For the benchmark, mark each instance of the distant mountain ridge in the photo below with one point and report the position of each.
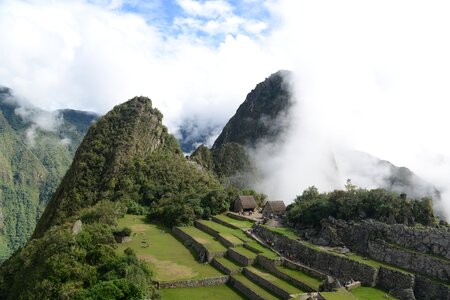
(30, 170)
(263, 118)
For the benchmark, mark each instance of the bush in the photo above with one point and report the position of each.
(355, 204)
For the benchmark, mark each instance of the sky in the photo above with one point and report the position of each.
(372, 76)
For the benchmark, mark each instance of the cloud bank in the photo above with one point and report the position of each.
(371, 76)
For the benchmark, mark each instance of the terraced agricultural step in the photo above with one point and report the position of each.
(250, 289)
(254, 246)
(226, 265)
(232, 223)
(242, 256)
(276, 285)
(229, 237)
(204, 244)
(300, 277)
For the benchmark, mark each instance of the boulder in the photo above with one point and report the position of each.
(77, 227)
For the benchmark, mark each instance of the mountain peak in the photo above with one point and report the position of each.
(130, 130)
(256, 118)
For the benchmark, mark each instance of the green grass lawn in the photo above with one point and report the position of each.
(203, 238)
(167, 257)
(368, 293)
(276, 281)
(301, 276)
(342, 294)
(262, 250)
(254, 287)
(245, 252)
(238, 223)
(287, 232)
(227, 231)
(222, 292)
(231, 265)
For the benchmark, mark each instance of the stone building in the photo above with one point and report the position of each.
(274, 209)
(244, 204)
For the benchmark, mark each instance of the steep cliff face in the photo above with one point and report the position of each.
(32, 162)
(260, 116)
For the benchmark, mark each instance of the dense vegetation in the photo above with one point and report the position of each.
(65, 264)
(126, 163)
(261, 116)
(355, 204)
(129, 157)
(32, 163)
(230, 163)
(168, 188)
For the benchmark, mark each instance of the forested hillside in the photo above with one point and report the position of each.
(126, 163)
(32, 163)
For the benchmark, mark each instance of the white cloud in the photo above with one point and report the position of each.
(209, 9)
(371, 75)
(79, 55)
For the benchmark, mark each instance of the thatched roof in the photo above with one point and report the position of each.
(247, 202)
(276, 206)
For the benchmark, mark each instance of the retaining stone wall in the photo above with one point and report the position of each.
(240, 218)
(190, 242)
(226, 242)
(203, 253)
(270, 266)
(245, 290)
(215, 219)
(426, 240)
(241, 259)
(418, 262)
(267, 284)
(224, 269)
(206, 229)
(213, 281)
(426, 289)
(311, 272)
(389, 279)
(340, 267)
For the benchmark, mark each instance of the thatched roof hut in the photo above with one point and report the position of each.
(274, 208)
(244, 203)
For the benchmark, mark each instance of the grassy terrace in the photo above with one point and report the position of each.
(301, 276)
(368, 293)
(245, 252)
(203, 238)
(231, 265)
(201, 293)
(226, 231)
(342, 294)
(262, 250)
(254, 287)
(287, 232)
(238, 223)
(276, 281)
(166, 256)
